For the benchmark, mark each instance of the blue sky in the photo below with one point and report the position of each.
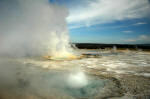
(108, 21)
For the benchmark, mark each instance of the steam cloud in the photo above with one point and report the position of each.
(33, 27)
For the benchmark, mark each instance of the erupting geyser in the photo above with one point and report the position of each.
(34, 27)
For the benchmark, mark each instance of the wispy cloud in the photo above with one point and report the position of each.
(106, 11)
(141, 38)
(130, 40)
(140, 23)
(144, 37)
(128, 32)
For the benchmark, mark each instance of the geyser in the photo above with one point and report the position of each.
(33, 27)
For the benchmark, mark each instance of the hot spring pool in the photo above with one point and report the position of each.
(37, 82)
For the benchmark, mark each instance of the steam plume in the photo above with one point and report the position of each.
(33, 27)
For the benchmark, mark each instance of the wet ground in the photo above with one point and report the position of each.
(99, 75)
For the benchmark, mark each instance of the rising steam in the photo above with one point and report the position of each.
(33, 27)
(77, 80)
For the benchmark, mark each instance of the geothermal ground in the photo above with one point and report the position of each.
(100, 74)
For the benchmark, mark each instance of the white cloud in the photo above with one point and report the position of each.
(140, 23)
(105, 11)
